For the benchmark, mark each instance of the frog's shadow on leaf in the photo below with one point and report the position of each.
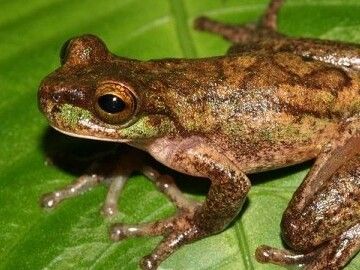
(75, 155)
(72, 155)
(278, 174)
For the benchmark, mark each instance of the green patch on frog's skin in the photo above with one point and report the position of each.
(355, 107)
(71, 115)
(294, 132)
(283, 132)
(236, 129)
(147, 127)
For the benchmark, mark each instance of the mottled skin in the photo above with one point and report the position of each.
(271, 102)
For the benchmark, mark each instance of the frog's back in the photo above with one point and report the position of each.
(267, 111)
(287, 107)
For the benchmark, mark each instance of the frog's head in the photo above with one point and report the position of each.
(94, 95)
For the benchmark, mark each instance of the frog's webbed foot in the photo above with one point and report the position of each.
(332, 255)
(113, 170)
(248, 33)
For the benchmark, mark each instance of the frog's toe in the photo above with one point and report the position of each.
(120, 231)
(167, 185)
(49, 200)
(332, 255)
(183, 233)
(149, 263)
(177, 231)
(109, 210)
(81, 184)
(117, 183)
(266, 254)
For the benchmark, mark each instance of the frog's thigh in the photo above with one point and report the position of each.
(333, 170)
(322, 219)
(332, 210)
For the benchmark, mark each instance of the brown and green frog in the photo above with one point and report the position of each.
(270, 102)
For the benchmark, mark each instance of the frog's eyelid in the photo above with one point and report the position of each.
(84, 50)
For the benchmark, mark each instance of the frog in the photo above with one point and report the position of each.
(271, 101)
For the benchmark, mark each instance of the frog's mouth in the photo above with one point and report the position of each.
(72, 134)
(78, 122)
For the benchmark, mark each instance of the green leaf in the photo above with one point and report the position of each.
(74, 236)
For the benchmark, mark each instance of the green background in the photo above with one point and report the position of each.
(74, 236)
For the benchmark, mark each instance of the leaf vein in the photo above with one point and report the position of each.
(182, 29)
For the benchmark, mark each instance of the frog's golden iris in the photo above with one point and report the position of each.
(115, 103)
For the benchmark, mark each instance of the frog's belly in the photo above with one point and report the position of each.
(248, 156)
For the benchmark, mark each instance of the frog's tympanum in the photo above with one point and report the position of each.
(271, 101)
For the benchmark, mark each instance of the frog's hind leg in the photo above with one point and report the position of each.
(321, 223)
(331, 256)
(247, 33)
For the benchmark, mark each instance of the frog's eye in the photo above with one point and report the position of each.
(64, 51)
(115, 103)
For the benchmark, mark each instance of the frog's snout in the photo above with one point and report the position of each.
(50, 98)
(43, 98)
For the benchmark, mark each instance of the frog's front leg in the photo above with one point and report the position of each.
(227, 193)
(322, 221)
(113, 170)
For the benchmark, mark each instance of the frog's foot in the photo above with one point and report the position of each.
(177, 230)
(247, 33)
(332, 255)
(80, 185)
(83, 184)
(266, 254)
(112, 170)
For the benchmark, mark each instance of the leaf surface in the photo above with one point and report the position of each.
(74, 236)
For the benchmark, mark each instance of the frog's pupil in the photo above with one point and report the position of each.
(111, 103)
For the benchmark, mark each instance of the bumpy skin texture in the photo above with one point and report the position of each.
(271, 102)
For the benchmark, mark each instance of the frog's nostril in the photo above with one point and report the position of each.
(56, 97)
